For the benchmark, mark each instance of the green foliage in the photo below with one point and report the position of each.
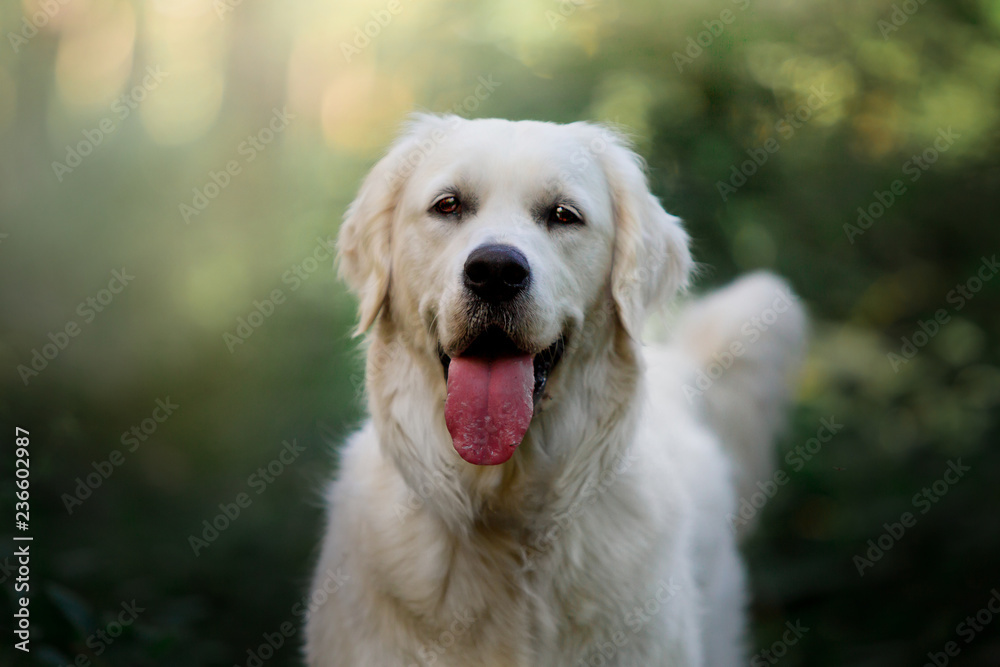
(706, 93)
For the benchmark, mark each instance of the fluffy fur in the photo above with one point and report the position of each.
(608, 538)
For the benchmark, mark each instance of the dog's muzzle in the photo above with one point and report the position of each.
(497, 377)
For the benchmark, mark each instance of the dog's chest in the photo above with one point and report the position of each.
(551, 596)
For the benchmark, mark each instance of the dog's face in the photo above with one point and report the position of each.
(488, 242)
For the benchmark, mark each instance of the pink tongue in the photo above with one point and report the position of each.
(489, 406)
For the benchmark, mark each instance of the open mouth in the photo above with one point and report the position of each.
(493, 390)
(495, 343)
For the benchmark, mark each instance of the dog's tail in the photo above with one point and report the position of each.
(747, 341)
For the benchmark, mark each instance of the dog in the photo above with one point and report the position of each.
(535, 485)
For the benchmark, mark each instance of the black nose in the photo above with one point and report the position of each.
(497, 272)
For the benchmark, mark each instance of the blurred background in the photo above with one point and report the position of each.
(172, 174)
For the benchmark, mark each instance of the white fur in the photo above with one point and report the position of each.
(605, 539)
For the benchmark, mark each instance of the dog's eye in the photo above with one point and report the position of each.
(448, 205)
(563, 215)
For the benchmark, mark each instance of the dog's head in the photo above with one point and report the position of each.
(489, 242)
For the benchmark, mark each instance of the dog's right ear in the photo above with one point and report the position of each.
(652, 260)
(364, 244)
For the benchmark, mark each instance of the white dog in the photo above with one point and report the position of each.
(535, 486)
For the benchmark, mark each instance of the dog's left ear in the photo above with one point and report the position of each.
(364, 247)
(651, 256)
